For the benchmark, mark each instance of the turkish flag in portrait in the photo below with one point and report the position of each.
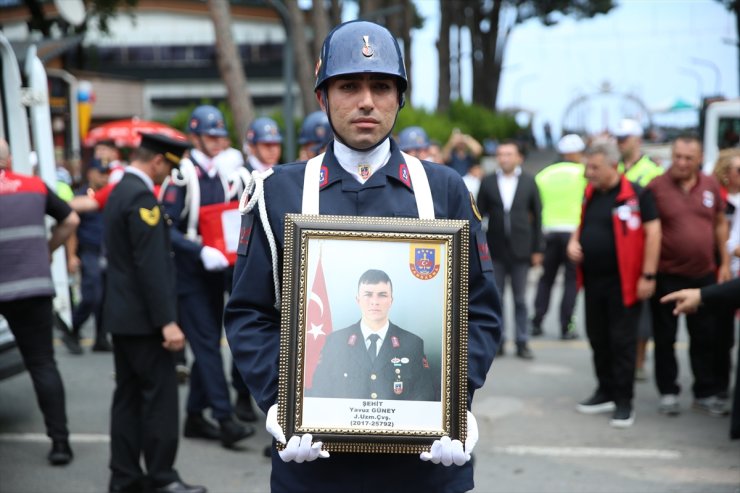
(318, 323)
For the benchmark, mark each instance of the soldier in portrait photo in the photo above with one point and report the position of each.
(374, 358)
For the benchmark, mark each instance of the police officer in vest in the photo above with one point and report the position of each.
(27, 289)
(141, 316)
(360, 85)
(200, 279)
(561, 188)
(314, 136)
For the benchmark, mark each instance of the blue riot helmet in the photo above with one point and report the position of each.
(357, 47)
(264, 130)
(413, 139)
(315, 130)
(207, 120)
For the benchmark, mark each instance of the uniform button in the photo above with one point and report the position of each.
(373, 377)
(373, 395)
(398, 371)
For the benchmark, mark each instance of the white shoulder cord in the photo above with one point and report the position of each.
(311, 177)
(254, 194)
(238, 180)
(422, 192)
(186, 176)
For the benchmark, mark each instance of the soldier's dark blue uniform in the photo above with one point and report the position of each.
(400, 371)
(253, 324)
(200, 295)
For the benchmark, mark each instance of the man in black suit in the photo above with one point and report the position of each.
(373, 358)
(511, 200)
(140, 313)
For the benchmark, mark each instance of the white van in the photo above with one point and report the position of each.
(721, 130)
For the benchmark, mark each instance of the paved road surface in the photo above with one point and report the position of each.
(532, 439)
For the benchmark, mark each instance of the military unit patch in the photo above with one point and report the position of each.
(150, 217)
(424, 260)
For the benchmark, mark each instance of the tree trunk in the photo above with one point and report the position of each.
(231, 68)
(368, 8)
(473, 19)
(335, 14)
(497, 65)
(406, 25)
(321, 26)
(303, 60)
(443, 57)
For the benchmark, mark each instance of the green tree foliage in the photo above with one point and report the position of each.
(102, 10)
(471, 119)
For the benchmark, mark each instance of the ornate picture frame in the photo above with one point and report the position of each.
(345, 277)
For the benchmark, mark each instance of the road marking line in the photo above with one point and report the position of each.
(614, 453)
(42, 438)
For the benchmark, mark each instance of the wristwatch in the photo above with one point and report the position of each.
(650, 276)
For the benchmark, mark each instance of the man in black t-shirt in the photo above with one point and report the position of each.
(616, 248)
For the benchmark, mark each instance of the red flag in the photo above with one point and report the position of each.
(318, 323)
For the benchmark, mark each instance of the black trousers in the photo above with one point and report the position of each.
(92, 291)
(724, 340)
(144, 415)
(702, 333)
(555, 256)
(612, 332)
(31, 321)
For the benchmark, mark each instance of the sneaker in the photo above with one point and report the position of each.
(501, 349)
(597, 403)
(60, 453)
(711, 406)
(569, 336)
(72, 342)
(537, 329)
(669, 405)
(102, 346)
(623, 416)
(523, 352)
(568, 332)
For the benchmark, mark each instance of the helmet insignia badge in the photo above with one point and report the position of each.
(367, 50)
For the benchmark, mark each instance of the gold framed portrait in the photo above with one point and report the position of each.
(373, 347)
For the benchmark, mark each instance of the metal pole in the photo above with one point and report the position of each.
(715, 69)
(697, 77)
(288, 79)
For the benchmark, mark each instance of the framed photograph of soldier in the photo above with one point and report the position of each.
(373, 351)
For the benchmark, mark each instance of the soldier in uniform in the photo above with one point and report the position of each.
(374, 358)
(263, 144)
(201, 280)
(314, 136)
(360, 84)
(141, 315)
(414, 141)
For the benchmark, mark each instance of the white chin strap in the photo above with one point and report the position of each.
(422, 192)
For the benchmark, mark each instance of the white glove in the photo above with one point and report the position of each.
(450, 452)
(299, 448)
(213, 259)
